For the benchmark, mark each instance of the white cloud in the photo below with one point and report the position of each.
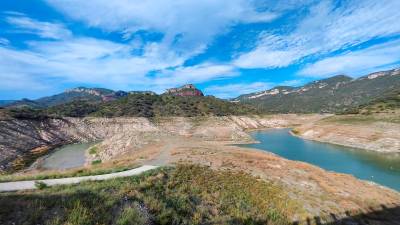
(23, 24)
(356, 62)
(188, 26)
(234, 90)
(326, 28)
(102, 63)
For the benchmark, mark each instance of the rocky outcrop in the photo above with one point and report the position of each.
(185, 90)
(21, 139)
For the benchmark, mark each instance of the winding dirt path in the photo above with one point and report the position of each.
(30, 184)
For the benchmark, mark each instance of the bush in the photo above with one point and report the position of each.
(97, 161)
(40, 185)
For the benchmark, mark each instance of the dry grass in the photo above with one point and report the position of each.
(186, 194)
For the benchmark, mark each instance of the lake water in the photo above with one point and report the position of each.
(381, 168)
(67, 157)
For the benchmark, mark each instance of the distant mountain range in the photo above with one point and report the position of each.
(93, 95)
(70, 95)
(336, 94)
(185, 101)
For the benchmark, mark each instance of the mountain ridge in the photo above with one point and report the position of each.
(334, 94)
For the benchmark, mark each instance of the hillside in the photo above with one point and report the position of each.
(75, 94)
(389, 103)
(139, 105)
(336, 94)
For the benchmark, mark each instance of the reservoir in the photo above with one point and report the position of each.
(381, 168)
(67, 157)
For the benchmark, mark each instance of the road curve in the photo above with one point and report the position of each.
(30, 184)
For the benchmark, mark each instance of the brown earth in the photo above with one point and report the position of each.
(377, 132)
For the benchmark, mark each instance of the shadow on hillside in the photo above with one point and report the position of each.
(380, 215)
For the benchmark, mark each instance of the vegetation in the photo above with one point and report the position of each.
(40, 185)
(95, 162)
(384, 104)
(73, 109)
(93, 150)
(140, 105)
(186, 194)
(97, 170)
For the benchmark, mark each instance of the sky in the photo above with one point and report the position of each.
(225, 48)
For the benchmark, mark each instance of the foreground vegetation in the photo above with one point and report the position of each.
(186, 194)
(79, 172)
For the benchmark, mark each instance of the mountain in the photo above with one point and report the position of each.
(336, 94)
(70, 95)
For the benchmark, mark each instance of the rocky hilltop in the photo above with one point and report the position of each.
(336, 94)
(185, 90)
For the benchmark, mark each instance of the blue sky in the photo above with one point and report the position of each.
(226, 48)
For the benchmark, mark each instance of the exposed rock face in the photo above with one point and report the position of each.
(22, 138)
(185, 90)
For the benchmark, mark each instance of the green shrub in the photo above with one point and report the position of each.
(40, 185)
(93, 150)
(96, 162)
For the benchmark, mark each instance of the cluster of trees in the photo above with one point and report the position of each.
(141, 105)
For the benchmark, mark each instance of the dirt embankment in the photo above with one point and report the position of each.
(22, 141)
(377, 132)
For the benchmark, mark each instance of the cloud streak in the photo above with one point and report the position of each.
(326, 28)
(24, 24)
(357, 62)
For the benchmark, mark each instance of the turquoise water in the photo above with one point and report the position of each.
(381, 168)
